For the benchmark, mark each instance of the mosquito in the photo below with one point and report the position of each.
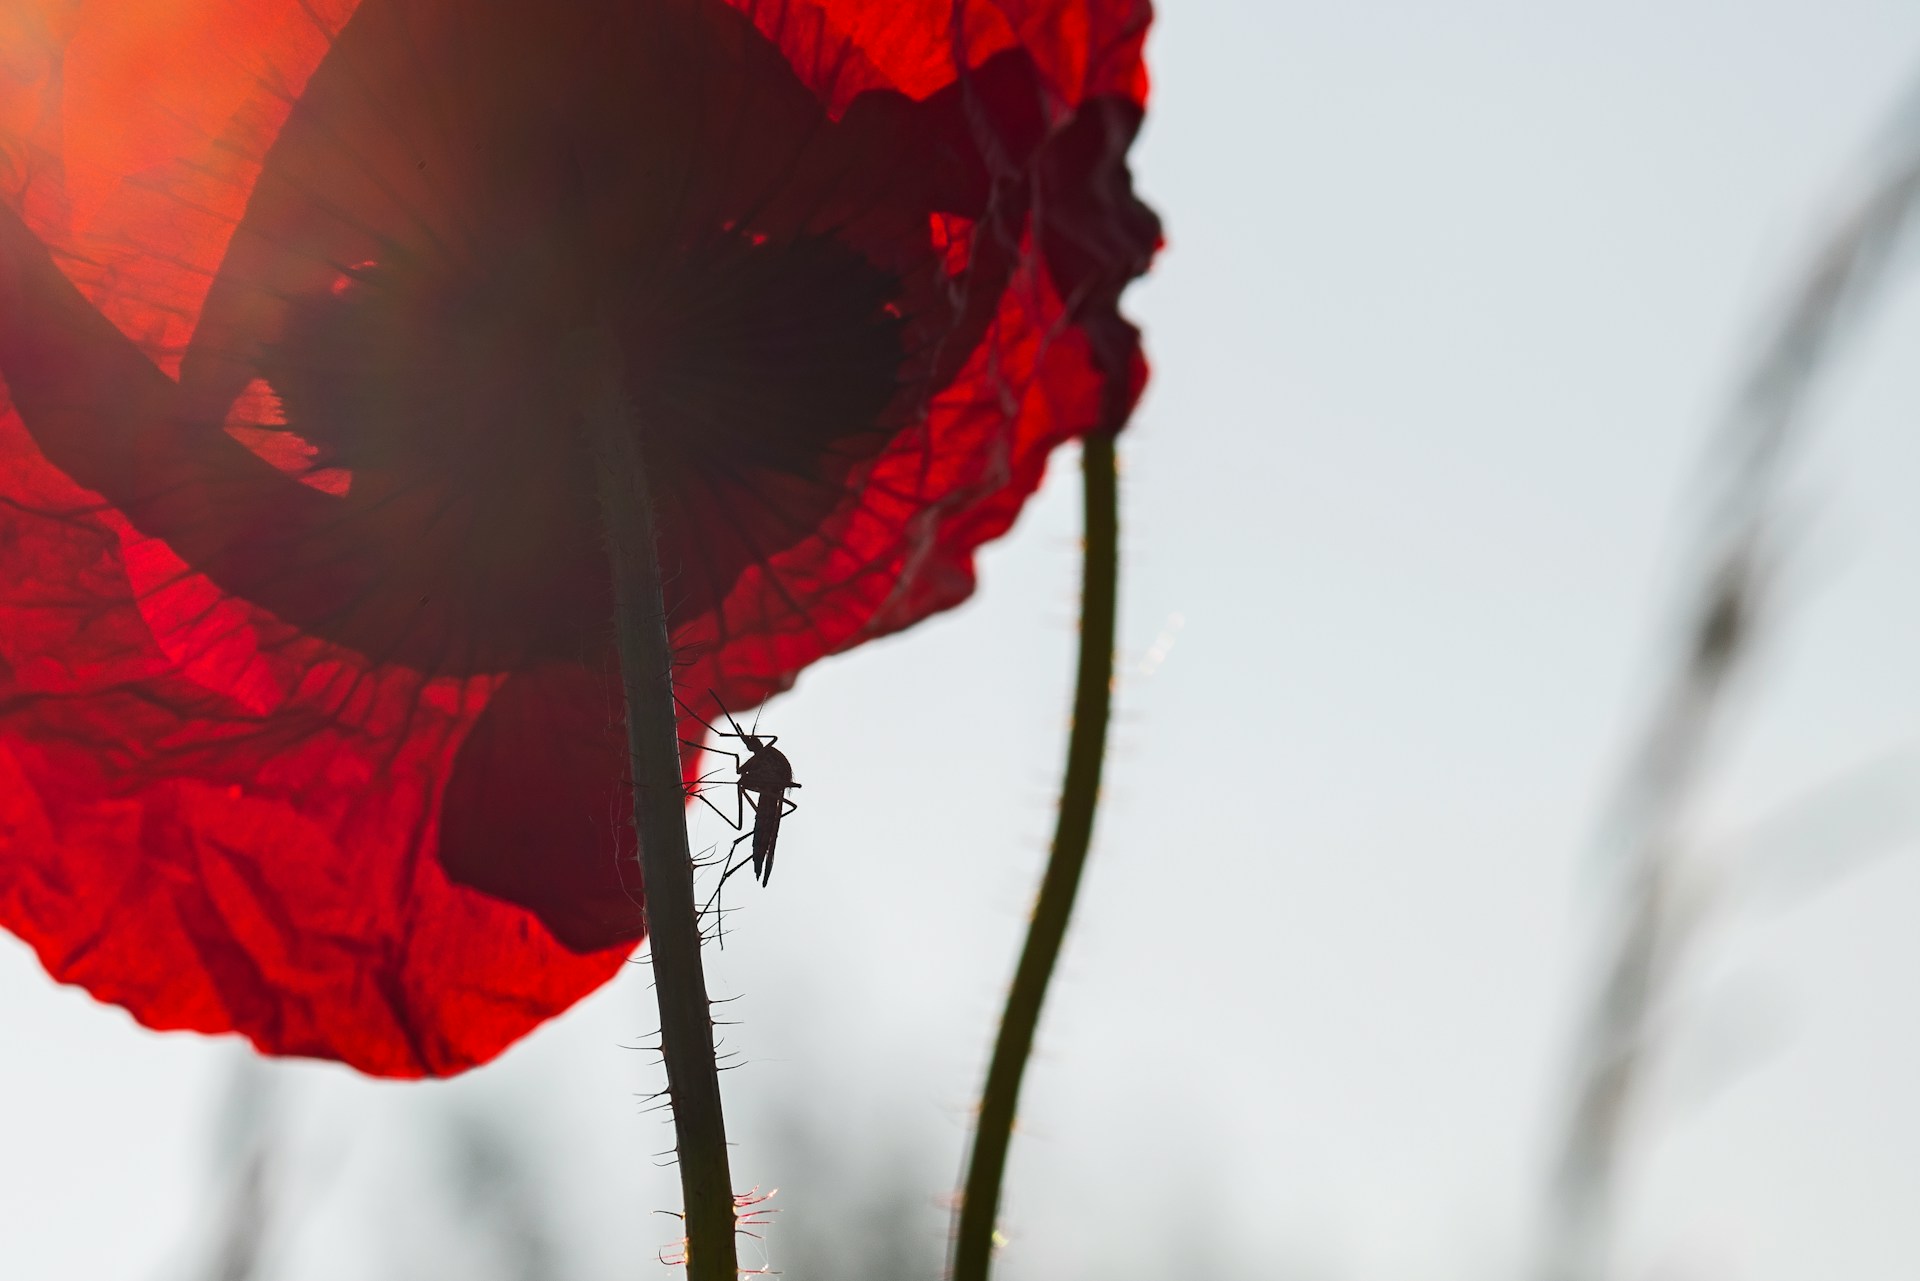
(766, 773)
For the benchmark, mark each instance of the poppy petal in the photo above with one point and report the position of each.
(307, 723)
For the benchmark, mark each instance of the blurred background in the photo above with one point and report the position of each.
(1456, 301)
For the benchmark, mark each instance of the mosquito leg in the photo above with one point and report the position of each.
(730, 820)
(699, 786)
(738, 840)
(715, 896)
(696, 788)
(754, 854)
(722, 884)
(703, 720)
(738, 819)
(717, 751)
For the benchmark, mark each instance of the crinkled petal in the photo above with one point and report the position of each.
(309, 727)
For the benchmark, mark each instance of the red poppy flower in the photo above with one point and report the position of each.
(309, 721)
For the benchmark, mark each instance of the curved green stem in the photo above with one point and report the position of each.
(660, 818)
(1079, 794)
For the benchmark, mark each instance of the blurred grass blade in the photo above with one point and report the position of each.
(1727, 572)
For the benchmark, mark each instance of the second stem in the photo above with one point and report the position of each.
(1079, 796)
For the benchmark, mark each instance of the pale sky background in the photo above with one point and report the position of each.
(1454, 294)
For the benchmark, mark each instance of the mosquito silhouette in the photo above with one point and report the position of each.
(766, 773)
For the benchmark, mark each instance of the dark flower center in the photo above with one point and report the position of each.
(757, 372)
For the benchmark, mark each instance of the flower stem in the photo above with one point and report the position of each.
(1079, 793)
(660, 819)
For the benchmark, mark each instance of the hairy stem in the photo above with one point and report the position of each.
(660, 819)
(1079, 793)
